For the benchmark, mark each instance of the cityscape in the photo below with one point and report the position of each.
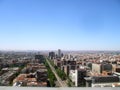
(60, 68)
(59, 44)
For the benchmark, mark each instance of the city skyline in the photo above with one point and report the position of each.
(64, 24)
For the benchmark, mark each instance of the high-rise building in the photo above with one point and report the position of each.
(80, 74)
(59, 53)
(52, 55)
(77, 76)
(40, 58)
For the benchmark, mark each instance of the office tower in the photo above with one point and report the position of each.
(59, 53)
(52, 55)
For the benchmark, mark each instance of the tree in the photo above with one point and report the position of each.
(51, 76)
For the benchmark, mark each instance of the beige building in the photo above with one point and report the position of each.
(101, 67)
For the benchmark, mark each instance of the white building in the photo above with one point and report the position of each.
(77, 76)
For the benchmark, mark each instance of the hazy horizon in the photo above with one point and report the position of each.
(57, 49)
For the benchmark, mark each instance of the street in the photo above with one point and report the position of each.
(61, 83)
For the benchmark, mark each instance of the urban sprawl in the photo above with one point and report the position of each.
(60, 68)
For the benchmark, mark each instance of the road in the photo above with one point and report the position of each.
(61, 83)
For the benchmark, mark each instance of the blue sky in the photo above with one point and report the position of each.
(64, 24)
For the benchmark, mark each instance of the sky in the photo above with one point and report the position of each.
(64, 24)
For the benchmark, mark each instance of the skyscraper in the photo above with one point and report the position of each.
(59, 53)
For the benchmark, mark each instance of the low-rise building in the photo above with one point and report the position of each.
(100, 67)
(102, 81)
(41, 75)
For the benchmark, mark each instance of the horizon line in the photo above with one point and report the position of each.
(54, 50)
